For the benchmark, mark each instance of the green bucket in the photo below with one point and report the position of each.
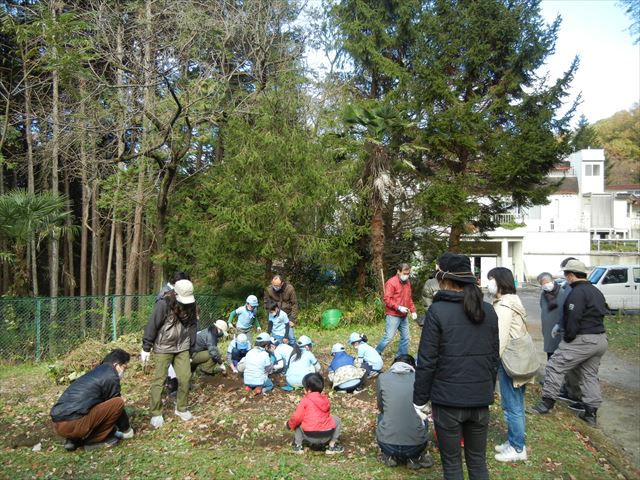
(330, 319)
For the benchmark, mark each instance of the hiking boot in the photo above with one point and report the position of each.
(423, 461)
(334, 450)
(70, 445)
(157, 421)
(502, 447)
(576, 407)
(565, 397)
(184, 416)
(510, 454)
(545, 406)
(589, 415)
(388, 460)
(295, 448)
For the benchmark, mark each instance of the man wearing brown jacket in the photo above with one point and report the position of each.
(284, 295)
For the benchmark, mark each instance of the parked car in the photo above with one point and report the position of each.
(620, 285)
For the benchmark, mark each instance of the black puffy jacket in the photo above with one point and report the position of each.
(97, 386)
(457, 359)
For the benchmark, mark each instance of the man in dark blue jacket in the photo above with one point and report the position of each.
(583, 345)
(91, 411)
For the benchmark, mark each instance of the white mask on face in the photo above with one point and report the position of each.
(492, 287)
(548, 287)
(120, 371)
(404, 278)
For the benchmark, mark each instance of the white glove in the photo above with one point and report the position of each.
(414, 315)
(422, 411)
(555, 331)
(402, 309)
(144, 357)
(223, 368)
(259, 329)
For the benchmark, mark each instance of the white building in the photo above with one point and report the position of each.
(580, 220)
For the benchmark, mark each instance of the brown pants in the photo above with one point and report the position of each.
(96, 425)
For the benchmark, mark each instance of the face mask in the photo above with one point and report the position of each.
(277, 289)
(548, 287)
(404, 278)
(120, 371)
(492, 287)
(249, 308)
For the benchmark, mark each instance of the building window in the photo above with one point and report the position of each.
(592, 170)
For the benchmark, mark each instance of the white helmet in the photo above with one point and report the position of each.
(252, 300)
(222, 326)
(338, 347)
(303, 341)
(355, 337)
(242, 339)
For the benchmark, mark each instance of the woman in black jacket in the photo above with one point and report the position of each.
(457, 366)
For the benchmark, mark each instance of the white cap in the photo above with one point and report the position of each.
(241, 339)
(184, 292)
(303, 341)
(222, 326)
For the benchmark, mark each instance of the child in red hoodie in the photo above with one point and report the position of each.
(312, 421)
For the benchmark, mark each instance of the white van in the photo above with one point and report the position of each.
(620, 285)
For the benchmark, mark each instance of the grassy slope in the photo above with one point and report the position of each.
(623, 332)
(235, 436)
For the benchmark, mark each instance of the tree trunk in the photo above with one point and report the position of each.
(33, 254)
(377, 247)
(268, 271)
(454, 238)
(133, 258)
(70, 277)
(119, 273)
(54, 244)
(96, 242)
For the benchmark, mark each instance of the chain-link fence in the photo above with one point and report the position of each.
(38, 328)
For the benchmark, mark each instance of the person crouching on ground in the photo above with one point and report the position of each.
(368, 357)
(301, 362)
(312, 421)
(237, 350)
(278, 326)
(171, 333)
(344, 375)
(401, 434)
(91, 411)
(206, 354)
(257, 366)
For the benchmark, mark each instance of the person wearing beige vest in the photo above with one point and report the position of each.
(511, 325)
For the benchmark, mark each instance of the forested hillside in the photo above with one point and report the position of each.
(619, 135)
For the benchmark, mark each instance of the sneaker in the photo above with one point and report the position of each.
(373, 374)
(589, 415)
(124, 435)
(184, 416)
(295, 448)
(70, 445)
(247, 388)
(287, 388)
(423, 461)
(388, 460)
(576, 406)
(157, 421)
(510, 454)
(502, 447)
(334, 450)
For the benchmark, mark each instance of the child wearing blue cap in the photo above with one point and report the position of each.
(301, 362)
(237, 350)
(368, 357)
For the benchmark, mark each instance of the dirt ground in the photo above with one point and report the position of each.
(619, 415)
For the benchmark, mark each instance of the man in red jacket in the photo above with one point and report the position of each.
(312, 421)
(398, 304)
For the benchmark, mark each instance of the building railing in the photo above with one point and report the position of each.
(614, 245)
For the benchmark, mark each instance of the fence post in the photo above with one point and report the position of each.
(114, 330)
(38, 329)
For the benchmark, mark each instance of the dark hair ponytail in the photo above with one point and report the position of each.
(364, 338)
(297, 352)
(473, 303)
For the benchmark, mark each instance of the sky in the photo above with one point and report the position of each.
(608, 77)
(609, 73)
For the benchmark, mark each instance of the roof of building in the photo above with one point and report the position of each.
(625, 187)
